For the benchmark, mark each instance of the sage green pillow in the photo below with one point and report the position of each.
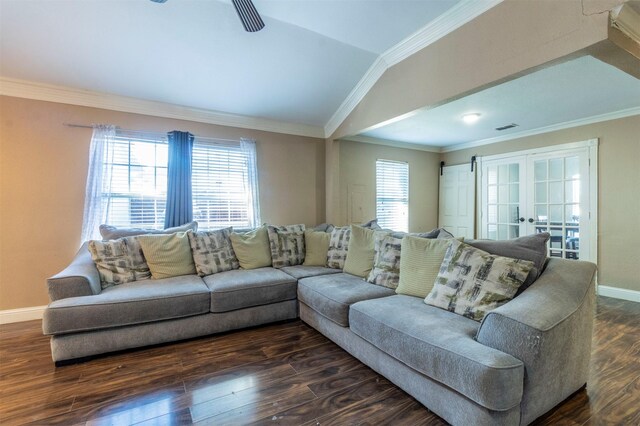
(252, 248)
(167, 255)
(419, 264)
(360, 253)
(317, 246)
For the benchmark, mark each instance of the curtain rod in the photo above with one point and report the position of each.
(85, 126)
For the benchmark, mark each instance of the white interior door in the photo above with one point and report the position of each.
(457, 200)
(553, 191)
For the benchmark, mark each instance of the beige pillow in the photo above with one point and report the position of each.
(317, 246)
(360, 253)
(167, 255)
(419, 264)
(252, 248)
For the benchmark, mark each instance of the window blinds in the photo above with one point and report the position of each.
(392, 195)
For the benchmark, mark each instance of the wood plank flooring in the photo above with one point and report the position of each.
(283, 373)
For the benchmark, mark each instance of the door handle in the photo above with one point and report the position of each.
(521, 219)
(530, 220)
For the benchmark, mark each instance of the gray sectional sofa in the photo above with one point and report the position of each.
(523, 359)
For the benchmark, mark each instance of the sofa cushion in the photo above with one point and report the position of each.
(243, 288)
(331, 295)
(132, 303)
(440, 344)
(302, 271)
(359, 260)
(109, 232)
(420, 264)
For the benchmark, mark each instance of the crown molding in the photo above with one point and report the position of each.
(446, 23)
(392, 143)
(72, 96)
(627, 20)
(546, 129)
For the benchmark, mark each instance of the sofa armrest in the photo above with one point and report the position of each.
(548, 327)
(80, 278)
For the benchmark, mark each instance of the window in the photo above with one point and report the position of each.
(133, 182)
(224, 184)
(392, 194)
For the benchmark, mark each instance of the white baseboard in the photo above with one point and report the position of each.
(619, 293)
(21, 314)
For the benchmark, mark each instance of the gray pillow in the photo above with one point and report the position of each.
(109, 232)
(531, 247)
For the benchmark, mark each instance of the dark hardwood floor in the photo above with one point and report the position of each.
(278, 374)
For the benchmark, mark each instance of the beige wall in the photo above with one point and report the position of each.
(43, 169)
(618, 194)
(358, 171)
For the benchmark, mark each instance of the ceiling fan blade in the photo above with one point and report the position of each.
(248, 14)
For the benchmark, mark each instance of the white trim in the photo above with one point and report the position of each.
(394, 144)
(544, 149)
(619, 293)
(68, 95)
(546, 129)
(463, 12)
(627, 20)
(21, 314)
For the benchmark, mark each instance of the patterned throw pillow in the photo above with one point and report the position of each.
(338, 246)
(286, 244)
(119, 261)
(472, 282)
(212, 251)
(386, 260)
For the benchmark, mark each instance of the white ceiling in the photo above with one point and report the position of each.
(579, 89)
(195, 53)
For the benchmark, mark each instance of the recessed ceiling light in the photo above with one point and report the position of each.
(471, 118)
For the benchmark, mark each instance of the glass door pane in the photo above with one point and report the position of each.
(558, 201)
(502, 188)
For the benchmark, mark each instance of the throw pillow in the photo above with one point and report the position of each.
(386, 259)
(472, 282)
(286, 244)
(359, 261)
(338, 246)
(212, 251)
(119, 261)
(530, 247)
(419, 264)
(252, 248)
(109, 232)
(167, 255)
(316, 247)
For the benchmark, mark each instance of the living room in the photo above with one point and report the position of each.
(310, 170)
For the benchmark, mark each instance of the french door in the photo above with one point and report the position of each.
(542, 192)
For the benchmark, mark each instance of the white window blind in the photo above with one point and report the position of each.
(392, 194)
(225, 191)
(135, 181)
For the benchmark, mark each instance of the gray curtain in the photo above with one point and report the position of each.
(179, 200)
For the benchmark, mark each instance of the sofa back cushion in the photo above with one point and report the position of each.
(316, 247)
(286, 244)
(472, 282)
(212, 251)
(168, 255)
(530, 247)
(109, 232)
(252, 248)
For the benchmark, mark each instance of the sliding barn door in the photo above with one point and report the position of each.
(457, 200)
